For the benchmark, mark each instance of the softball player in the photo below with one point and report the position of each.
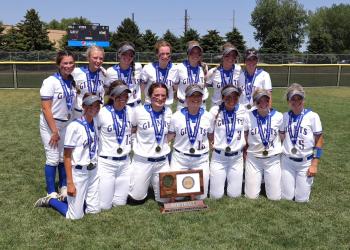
(253, 78)
(151, 149)
(128, 71)
(90, 78)
(161, 71)
(114, 122)
(264, 148)
(226, 73)
(191, 128)
(57, 100)
(302, 146)
(231, 121)
(191, 72)
(80, 159)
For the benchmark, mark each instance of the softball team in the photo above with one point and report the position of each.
(112, 157)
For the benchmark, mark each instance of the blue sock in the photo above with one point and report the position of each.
(50, 176)
(62, 177)
(60, 206)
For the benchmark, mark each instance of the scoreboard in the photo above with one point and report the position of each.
(88, 35)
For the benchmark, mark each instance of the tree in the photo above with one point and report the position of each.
(149, 39)
(279, 20)
(11, 40)
(212, 42)
(236, 39)
(190, 35)
(173, 40)
(127, 31)
(328, 29)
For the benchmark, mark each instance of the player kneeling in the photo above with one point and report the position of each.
(80, 158)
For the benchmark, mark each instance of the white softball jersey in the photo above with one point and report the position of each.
(255, 143)
(168, 76)
(133, 80)
(219, 78)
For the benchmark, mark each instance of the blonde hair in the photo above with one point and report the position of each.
(92, 48)
(294, 87)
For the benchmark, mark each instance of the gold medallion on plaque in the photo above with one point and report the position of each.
(188, 182)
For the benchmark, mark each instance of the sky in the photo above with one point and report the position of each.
(156, 15)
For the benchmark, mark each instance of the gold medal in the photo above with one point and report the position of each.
(188, 182)
(192, 150)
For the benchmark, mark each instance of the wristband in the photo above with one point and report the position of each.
(317, 152)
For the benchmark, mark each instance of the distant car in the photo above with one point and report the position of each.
(344, 62)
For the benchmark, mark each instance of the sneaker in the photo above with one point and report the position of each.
(62, 193)
(44, 201)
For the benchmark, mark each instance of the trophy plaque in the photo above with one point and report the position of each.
(186, 184)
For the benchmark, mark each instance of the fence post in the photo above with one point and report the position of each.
(288, 77)
(14, 69)
(338, 77)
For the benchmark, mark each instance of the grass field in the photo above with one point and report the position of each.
(323, 223)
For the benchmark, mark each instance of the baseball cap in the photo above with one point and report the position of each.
(125, 48)
(260, 93)
(228, 50)
(190, 90)
(295, 92)
(91, 99)
(119, 89)
(229, 90)
(250, 53)
(191, 46)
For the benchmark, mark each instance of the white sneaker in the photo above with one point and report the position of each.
(44, 201)
(62, 193)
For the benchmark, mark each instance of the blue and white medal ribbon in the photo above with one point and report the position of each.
(190, 75)
(118, 128)
(158, 132)
(68, 92)
(91, 82)
(265, 137)
(294, 137)
(192, 135)
(92, 143)
(230, 126)
(158, 73)
(249, 83)
(128, 74)
(223, 77)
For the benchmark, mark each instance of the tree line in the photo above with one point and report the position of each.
(280, 27)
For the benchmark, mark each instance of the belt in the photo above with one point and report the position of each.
(302, 159)
(191, 155)
(227, 153)
(133, 104)
(79, 110)
(163, 158)
(122, 158)
(60, 120)
(88, 167)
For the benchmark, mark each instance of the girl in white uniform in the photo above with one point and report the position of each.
(191, 72)
(90, 78)
(226, 73)
(129, 72)
(151, 148)
(227, 159)
(80, 159)
(264, 149)
(253, 78)
(161, 71)
(57, 101)
(302, 146)
(191, 128)
(114, 122)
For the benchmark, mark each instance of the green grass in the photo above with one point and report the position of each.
(322, 223)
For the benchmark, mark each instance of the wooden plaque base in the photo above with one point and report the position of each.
(183, 206)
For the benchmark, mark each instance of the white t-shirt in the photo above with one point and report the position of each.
(149, 76)
(133, 80)
(182, 142)
(107, 133)
(309, 127)
(255, 143)
(217, 82)
(145, 144)
(220, 136)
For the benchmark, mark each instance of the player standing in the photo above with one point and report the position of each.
(57, 100)
(302, 146)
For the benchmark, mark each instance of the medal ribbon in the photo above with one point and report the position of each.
(158, 133)
(249, 83)
(230, 130)
(189, 73)
(264, 138)
(192, 135)
(158, 74)
(95, 81)
(294, 137)
(68, 93)
(118, 128)
(223, 78)
(92, 143)
(128, 74)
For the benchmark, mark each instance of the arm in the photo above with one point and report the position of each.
(71, 190)
(211, 140)
(170, 136)
(312, 171)
(46, 106)
(245, 148)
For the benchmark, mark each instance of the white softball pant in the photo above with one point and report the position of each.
(145, 171)
(224, 168)
(53, 155)
(295, 182)
(114, 184)
(86, 184)
(180, 162)
(268, 168)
